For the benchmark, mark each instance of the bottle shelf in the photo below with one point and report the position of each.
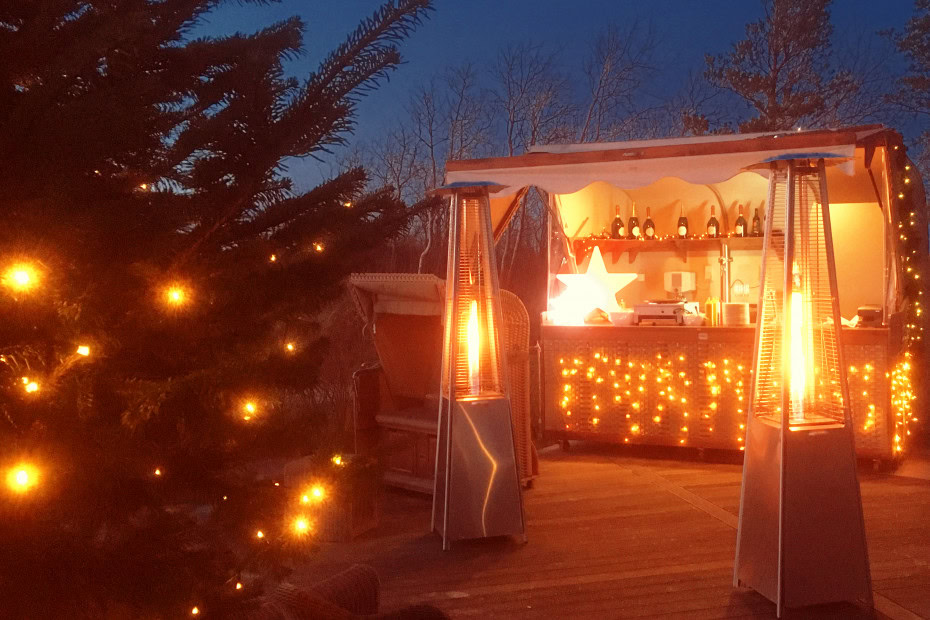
(615, 248)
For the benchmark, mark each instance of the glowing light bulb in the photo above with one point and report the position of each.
(315, 494)
(259, 534)
(249, 407)
(238, 585)
(22, 478)
(337, 459)
(83, 350)
(318, 246)
(301, 525)
(175, 295)
(273, 258)
(797, 354)
(31, 387)
(158, 471)
(20, 277)
(290, 347)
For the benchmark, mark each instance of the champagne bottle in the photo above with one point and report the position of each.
(756, 224)
(682, 224)
(616, 228)
(633, 225)
(741, 230)
(649, 227)
(713, 226)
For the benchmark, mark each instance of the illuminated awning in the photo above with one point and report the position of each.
(704, 160)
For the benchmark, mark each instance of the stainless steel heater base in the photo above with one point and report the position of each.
(477, 491)
(801, 538)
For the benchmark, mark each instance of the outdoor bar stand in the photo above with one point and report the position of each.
(613, 372)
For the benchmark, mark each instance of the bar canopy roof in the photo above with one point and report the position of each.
(708, 161)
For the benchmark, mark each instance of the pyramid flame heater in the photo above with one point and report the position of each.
(477, 487)
(801, 538)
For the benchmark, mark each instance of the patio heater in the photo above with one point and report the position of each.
(801, 538)
(476, 490)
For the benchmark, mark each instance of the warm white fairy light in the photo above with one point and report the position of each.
(22, 477)
(176, 295)
(21, 277)
(316, 494)
(301, 525)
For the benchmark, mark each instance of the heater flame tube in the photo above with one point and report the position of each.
(796, 356)
(473, 336)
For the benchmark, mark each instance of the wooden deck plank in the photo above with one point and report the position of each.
(615, 536)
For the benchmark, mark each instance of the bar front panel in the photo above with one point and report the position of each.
(689, 386)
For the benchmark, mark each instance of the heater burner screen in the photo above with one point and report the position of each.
(472, 300)
(798, 357)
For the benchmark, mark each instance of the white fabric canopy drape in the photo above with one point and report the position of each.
(706, 160)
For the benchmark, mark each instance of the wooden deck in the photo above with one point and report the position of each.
(617, 535)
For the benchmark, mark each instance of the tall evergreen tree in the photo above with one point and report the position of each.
(783, 70)
(158, 270)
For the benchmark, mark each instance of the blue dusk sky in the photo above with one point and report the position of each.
(475, 30)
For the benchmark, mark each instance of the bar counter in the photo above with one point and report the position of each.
(689, 386)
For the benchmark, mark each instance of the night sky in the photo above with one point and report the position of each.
(476, 30)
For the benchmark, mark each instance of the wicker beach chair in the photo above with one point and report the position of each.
(516, 337)
(397, 402)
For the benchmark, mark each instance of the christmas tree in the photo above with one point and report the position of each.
(157, 271)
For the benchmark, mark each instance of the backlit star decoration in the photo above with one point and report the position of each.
(596, 288)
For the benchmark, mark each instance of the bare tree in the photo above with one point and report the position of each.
(395, 161)
(618, 64)
(869, 61)
(530, 94)
(467, 115)
(532, 100)
(696, 109)
(449, 119)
